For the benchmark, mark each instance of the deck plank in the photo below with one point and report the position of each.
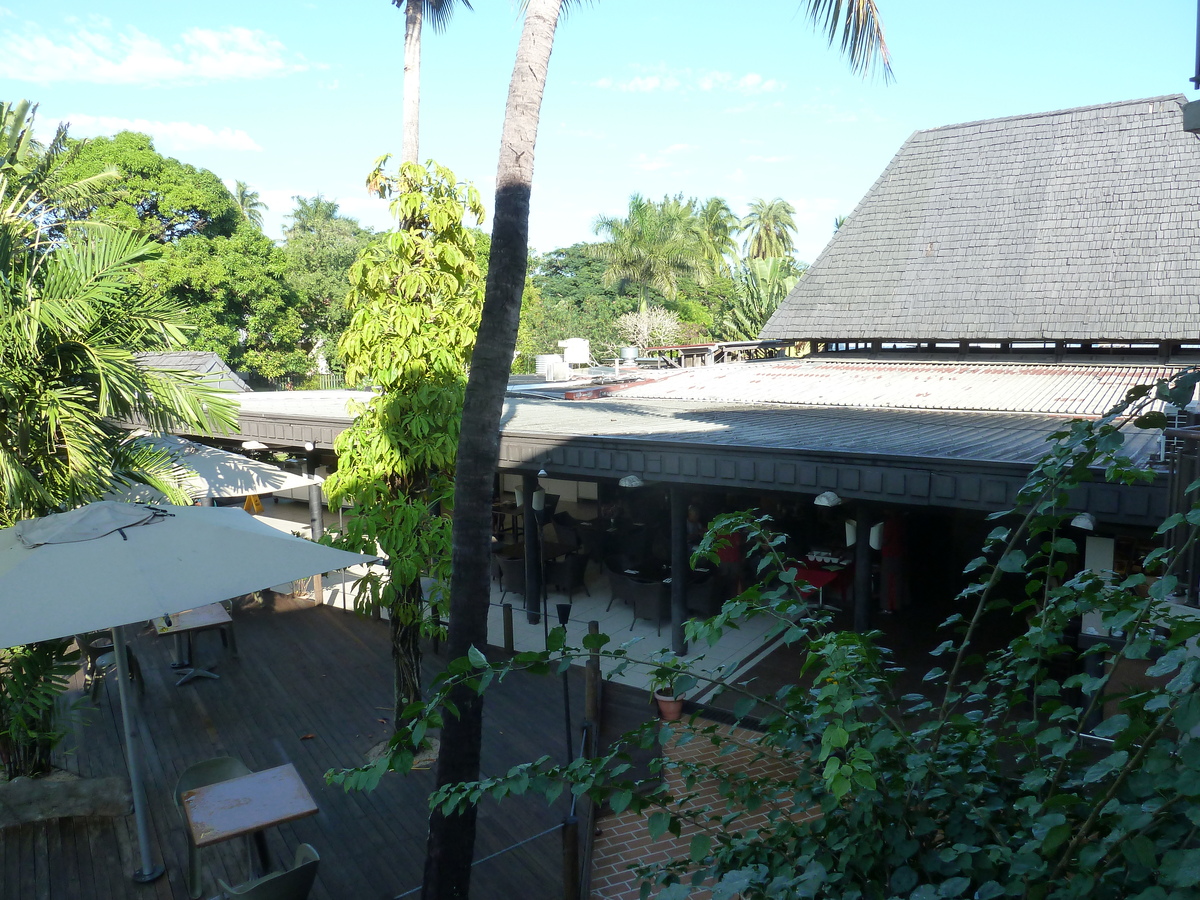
(303, 670)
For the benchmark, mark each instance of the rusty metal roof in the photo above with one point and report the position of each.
(1068, 389)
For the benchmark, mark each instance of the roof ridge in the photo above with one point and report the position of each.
(1054, 112)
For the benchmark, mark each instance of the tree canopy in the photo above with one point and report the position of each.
(158, 196)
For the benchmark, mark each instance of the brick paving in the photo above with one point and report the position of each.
(624, 839)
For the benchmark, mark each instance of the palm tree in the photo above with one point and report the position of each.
(415, 12)
(452, 837)
(770, 226)
(654, 246)
(719, 225)
(251, 206)
(72, 320)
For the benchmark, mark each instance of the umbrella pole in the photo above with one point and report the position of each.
(148, 871)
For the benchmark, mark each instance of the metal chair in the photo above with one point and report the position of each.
(210, 771)
(292, 884)
(512, 576)
(99, 657)
(651, 600)
(569, 574)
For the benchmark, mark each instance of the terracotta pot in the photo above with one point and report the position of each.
(670, 709)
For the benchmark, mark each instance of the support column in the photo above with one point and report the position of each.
(533, 553)
(679, 569)
(316, 518)
(864, 519)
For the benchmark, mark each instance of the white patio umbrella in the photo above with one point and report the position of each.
(218, 473)
(109, 564)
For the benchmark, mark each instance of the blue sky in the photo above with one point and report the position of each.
(653, 96)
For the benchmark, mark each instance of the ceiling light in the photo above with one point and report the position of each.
(1086, 521)
(631, 481)
(827, 498)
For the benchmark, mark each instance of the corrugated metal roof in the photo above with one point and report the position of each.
(926, 434)
(1064, 390)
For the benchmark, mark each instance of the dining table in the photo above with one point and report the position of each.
(186, 624)
(246, 805)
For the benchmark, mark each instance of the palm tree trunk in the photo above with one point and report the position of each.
(413, 10)
(452, 838)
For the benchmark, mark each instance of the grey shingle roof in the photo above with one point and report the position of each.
(206, 363)
(1072, 225)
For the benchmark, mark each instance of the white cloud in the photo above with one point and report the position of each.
(97, 53)
(769, 159)
(170, 137)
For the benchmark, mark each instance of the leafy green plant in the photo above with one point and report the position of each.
(31, 679)
(414, 304)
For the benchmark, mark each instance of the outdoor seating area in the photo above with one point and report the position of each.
(310, 690)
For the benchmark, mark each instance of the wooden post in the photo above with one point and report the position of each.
(570, 833)
(508, 628)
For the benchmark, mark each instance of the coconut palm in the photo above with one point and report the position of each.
(415, 12)
(769, 226)
(654, 246)
(718, 225)
(452, 836)
(249, 203)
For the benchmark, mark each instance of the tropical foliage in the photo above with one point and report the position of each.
(72, 320)
(769, 227)
(319, 247)
(653, 247)
(761, 285)
(250, 203)
(414, 306)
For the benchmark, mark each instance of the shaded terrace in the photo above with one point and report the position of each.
(312, 687)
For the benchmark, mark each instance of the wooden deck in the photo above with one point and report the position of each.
(312, 687)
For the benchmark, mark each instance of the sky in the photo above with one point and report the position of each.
(657, 97)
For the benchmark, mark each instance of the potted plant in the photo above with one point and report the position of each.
(669, 682)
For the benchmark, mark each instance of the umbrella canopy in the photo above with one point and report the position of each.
(218, 473)
(108, 564)
(180, 557)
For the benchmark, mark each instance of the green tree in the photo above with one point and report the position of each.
(236, 293)
(761, 285)
(415, 301)
(72, 318)
(452, 836)
(769, 226)
(415, 12)
(652, 247)
(249, 203)
(156, 195)
(718, 226)
(320, 246)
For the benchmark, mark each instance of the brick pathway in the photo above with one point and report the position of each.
(624, 839)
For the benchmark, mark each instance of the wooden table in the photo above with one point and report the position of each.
(246, 805)
(188, 622)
